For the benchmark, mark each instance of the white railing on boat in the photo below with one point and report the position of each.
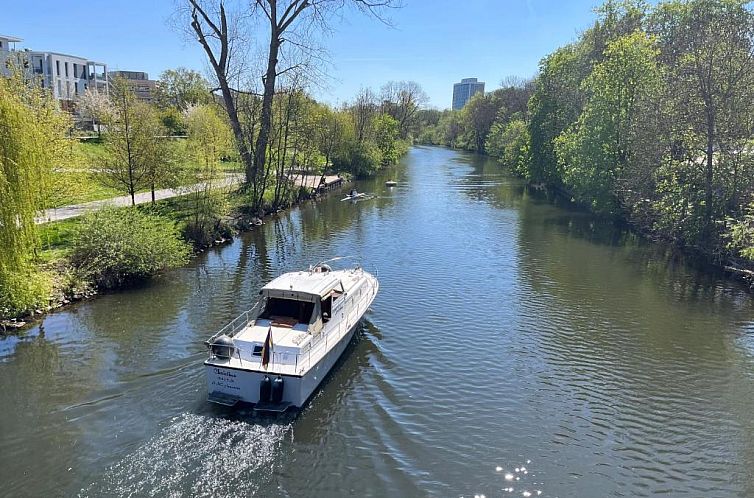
(240, 322)
(302, 361)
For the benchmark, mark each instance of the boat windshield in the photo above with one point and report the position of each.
(287, 311)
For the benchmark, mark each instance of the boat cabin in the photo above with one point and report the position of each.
(302, 298)
(297, 308)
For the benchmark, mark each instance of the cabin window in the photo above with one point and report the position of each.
(327, 305)
(282, 310)
(257, 351)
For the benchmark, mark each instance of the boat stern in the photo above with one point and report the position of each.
(266, 390)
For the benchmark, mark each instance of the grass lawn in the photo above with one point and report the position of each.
(74, 185)
(77, 187)
(56, 239)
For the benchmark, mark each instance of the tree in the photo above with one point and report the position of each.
(402, 100)
(707, 45)
(96, 106)
(33, 136)
(285, 20)
(478, 115)
(210, 139)
(182, 88)
(138, 157)
(509, 142)
(386, 131)
(363, 110)
(596, 151)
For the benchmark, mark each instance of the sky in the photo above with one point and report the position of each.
(432, 42)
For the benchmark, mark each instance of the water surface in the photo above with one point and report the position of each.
(510, 337)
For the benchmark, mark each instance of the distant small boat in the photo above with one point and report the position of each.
(354, 195)
(391, 183)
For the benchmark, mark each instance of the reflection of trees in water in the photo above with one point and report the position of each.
(36, 382)
(633, 336)
(138, 319)
(489, 182)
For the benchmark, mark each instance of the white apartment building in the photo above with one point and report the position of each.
(66, 75)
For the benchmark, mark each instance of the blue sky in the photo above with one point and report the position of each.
(433, 42)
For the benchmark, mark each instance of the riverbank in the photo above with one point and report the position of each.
(69, 289)
(722, 262)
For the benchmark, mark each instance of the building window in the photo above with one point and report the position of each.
(57, 68)
(75, 70)
(60, 89)
(66, 69)
(1, 44)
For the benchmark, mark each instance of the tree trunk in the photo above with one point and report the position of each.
(235, 124)
(265, 124)
(709, 171)
(153, 202)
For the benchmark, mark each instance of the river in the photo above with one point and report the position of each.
(515, 347)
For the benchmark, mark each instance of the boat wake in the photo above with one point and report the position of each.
(197, 455)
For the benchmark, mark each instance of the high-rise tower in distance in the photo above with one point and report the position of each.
(463, 91)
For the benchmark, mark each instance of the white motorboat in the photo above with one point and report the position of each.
(277, 353)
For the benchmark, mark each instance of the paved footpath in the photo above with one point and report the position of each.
(66, 212)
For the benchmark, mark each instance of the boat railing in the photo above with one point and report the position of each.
(240, 322)
(303, 361)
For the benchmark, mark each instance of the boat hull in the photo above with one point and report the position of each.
(239, 384)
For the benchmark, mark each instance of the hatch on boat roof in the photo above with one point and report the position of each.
(303, 286)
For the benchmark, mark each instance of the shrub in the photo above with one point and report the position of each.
(359, 159)
(23, 291)
(118, 246)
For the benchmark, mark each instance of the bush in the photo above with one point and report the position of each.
(23, 291)
(359, 159)
(203, 233)
(117, 246)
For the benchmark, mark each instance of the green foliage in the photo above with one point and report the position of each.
(139, 157)
(182, 88)
(358, 158)
(595, 151)
(555, 105)
(173, 121)
(477, 117)
(510, 143)
(210, 139)
(117, 246)
(32, 140)
(740, 234)
(23, 291)
(386, 138)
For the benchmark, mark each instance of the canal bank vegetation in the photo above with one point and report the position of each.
(44, 167)
(647, 117)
